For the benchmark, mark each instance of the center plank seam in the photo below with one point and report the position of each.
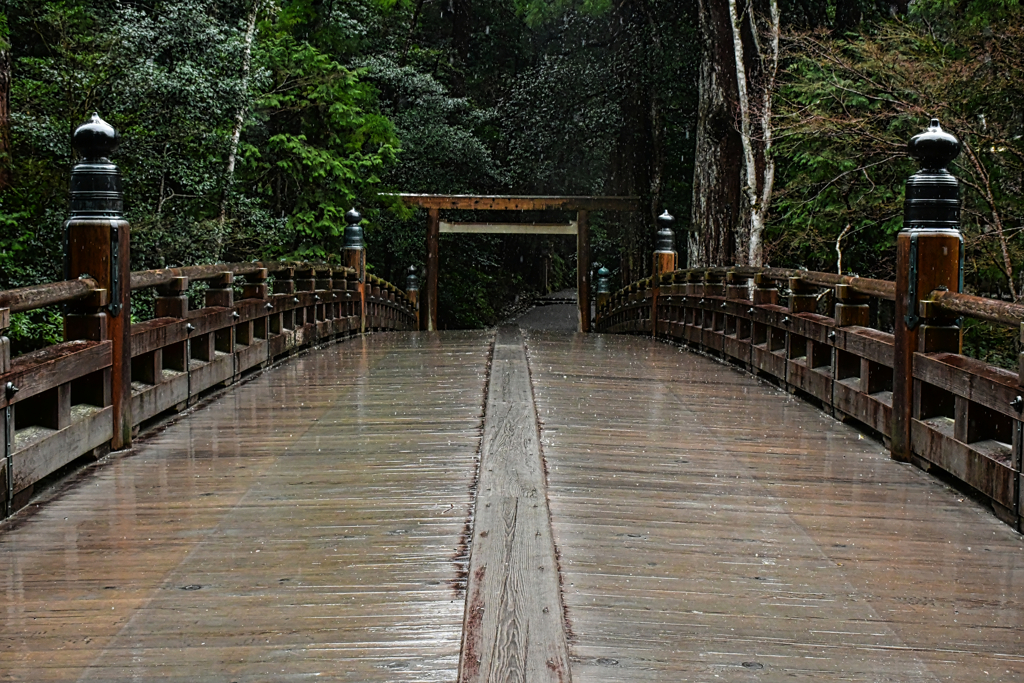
(513, 628)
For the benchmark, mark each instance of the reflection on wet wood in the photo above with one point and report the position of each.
(513, 628)
(306, 524)
(711, 527)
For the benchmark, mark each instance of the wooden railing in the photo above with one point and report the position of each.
(57, 402)
(965, 414)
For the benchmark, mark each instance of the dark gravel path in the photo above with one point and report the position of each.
(551, 317)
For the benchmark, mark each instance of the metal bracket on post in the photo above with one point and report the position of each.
(9, 391)
(912, 318)
(8, 464)
(962, 257)
(1018, 458)
(115, 270)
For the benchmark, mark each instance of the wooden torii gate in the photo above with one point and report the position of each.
(434, 204)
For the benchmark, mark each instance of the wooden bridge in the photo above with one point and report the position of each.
(742, 476)
(364, 513)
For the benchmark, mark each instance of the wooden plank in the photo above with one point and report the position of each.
(39, 371)
(39, 451)
(307, 526)
(711, 527)
(510, 228)
(520, 203)
(513, 628)
(150, 401)
(972, 379)
(157, 333)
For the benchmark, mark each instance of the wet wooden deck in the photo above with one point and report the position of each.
(313, 523)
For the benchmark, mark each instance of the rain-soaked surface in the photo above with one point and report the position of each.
(311, 523)
(556, 312)
(713, 528)
(303, 526)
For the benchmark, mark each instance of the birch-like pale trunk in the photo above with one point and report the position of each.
(758, 174)
(236, 132)
(5, 116)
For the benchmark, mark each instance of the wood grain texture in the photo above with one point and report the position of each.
(306, 525)
(513, 628)
(711, 527)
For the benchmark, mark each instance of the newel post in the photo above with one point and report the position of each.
(97, 245)
(412, 292)
(665, 258)
(355, 258)
(603, 291)
(929, 256)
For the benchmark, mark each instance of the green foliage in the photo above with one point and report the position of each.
(31, 331)
(848, 107)
(976, 12)
(324, 142)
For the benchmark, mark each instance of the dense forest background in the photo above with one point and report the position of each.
(250, 126)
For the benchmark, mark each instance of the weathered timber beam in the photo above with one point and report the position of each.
(152, 278)
(38, 296)
(520, 203)
(978, 307)
(882, 289)
(511, 228)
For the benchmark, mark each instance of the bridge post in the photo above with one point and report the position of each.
(766, 293)
(97, 243)
(665, 258)
(851, 307)
(255, 286)
(929, 256)
(412, 292)
(433, 250)
(583, 268)
(1017, 461)
(355, 258)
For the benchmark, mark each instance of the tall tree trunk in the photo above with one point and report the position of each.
(236, 132)
(734, 172)
(5, 116)
(756, 56)
(719, 153)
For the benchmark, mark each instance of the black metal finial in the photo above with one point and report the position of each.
(354, 231)
(412, 280)
(95, 182)
(604, 282)
(666, 237)
(934, 149)
(96, 139)
(933, 193)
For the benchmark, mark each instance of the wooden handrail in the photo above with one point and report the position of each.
(981, 308)
(881, 289)
(153, 278)
(38, 296)
(33, 297)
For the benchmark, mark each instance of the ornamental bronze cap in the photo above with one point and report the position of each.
(412, 280)
(666, 237)
(933, 194)
(95, 181)
(354, 231)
